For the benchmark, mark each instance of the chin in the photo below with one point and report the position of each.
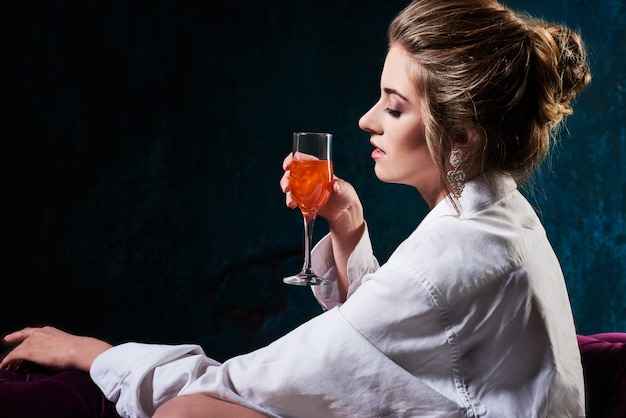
(384, 178)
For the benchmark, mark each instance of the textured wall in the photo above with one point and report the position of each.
(141, 153)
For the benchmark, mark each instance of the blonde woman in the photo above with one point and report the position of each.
(470, 316)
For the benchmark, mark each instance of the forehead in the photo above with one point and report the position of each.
(397, 72)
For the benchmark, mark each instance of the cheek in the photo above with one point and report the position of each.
(413, 158)
(412, 141)
(412, 150)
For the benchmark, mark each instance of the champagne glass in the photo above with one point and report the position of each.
(310, 182)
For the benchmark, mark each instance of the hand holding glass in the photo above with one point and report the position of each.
(310, 182)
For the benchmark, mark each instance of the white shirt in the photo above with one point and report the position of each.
(469, 317)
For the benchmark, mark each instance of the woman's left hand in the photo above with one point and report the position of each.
(52, 348)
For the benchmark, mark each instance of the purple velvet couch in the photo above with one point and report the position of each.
(604, 366)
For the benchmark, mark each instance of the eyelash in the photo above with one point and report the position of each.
(393, 113)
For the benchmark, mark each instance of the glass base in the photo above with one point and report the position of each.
(304, 279)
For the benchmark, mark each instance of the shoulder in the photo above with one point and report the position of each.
(455, 255)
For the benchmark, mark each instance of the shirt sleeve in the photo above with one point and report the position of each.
(138, 378)
(340, 363)
(361, 262)
(325, 367)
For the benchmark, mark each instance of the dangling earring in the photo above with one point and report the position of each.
(456, 177)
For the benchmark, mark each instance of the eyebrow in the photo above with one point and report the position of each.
(395, 92)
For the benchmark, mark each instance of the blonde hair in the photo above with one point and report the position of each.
(506, 77)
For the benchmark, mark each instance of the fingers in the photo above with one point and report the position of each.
(9, 363)
(339, 189)
(19, 336)
(284, 185)
(337, 185)
(287, 161)
(24, 340)
(12, 361)
(284, 182)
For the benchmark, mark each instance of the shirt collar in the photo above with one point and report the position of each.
(479, 192)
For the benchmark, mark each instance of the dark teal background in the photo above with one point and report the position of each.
(142, 146)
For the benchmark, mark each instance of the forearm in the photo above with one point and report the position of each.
(345, 233)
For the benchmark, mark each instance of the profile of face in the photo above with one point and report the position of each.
(397, 130)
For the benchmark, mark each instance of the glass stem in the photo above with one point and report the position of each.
(309, 222)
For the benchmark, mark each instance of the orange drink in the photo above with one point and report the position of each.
(311, 183)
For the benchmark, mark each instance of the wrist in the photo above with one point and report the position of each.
(85, 353)
(347, 229)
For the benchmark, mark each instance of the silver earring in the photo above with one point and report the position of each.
(456, 177)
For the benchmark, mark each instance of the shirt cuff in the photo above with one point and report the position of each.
(112, 369)
(360, 263)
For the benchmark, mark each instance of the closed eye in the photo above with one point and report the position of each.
(394, 113)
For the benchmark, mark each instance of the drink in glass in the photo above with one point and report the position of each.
(310, 183)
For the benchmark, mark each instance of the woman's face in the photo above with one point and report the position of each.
(397, 130)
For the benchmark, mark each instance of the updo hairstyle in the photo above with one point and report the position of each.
(507, 77)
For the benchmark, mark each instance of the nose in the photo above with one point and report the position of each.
(367, 122)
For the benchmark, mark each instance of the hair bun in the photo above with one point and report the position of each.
(572, 62)
(561, 66)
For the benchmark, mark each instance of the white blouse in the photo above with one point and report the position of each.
(469, 317)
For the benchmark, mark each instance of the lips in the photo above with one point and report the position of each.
(377, 153)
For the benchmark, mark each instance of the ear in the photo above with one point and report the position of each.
(465, 140)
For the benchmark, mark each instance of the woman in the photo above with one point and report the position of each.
(470, 315)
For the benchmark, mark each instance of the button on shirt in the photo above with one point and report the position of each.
(469, 317)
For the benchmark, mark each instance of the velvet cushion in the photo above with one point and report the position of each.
(35, 392)
(604, 367)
